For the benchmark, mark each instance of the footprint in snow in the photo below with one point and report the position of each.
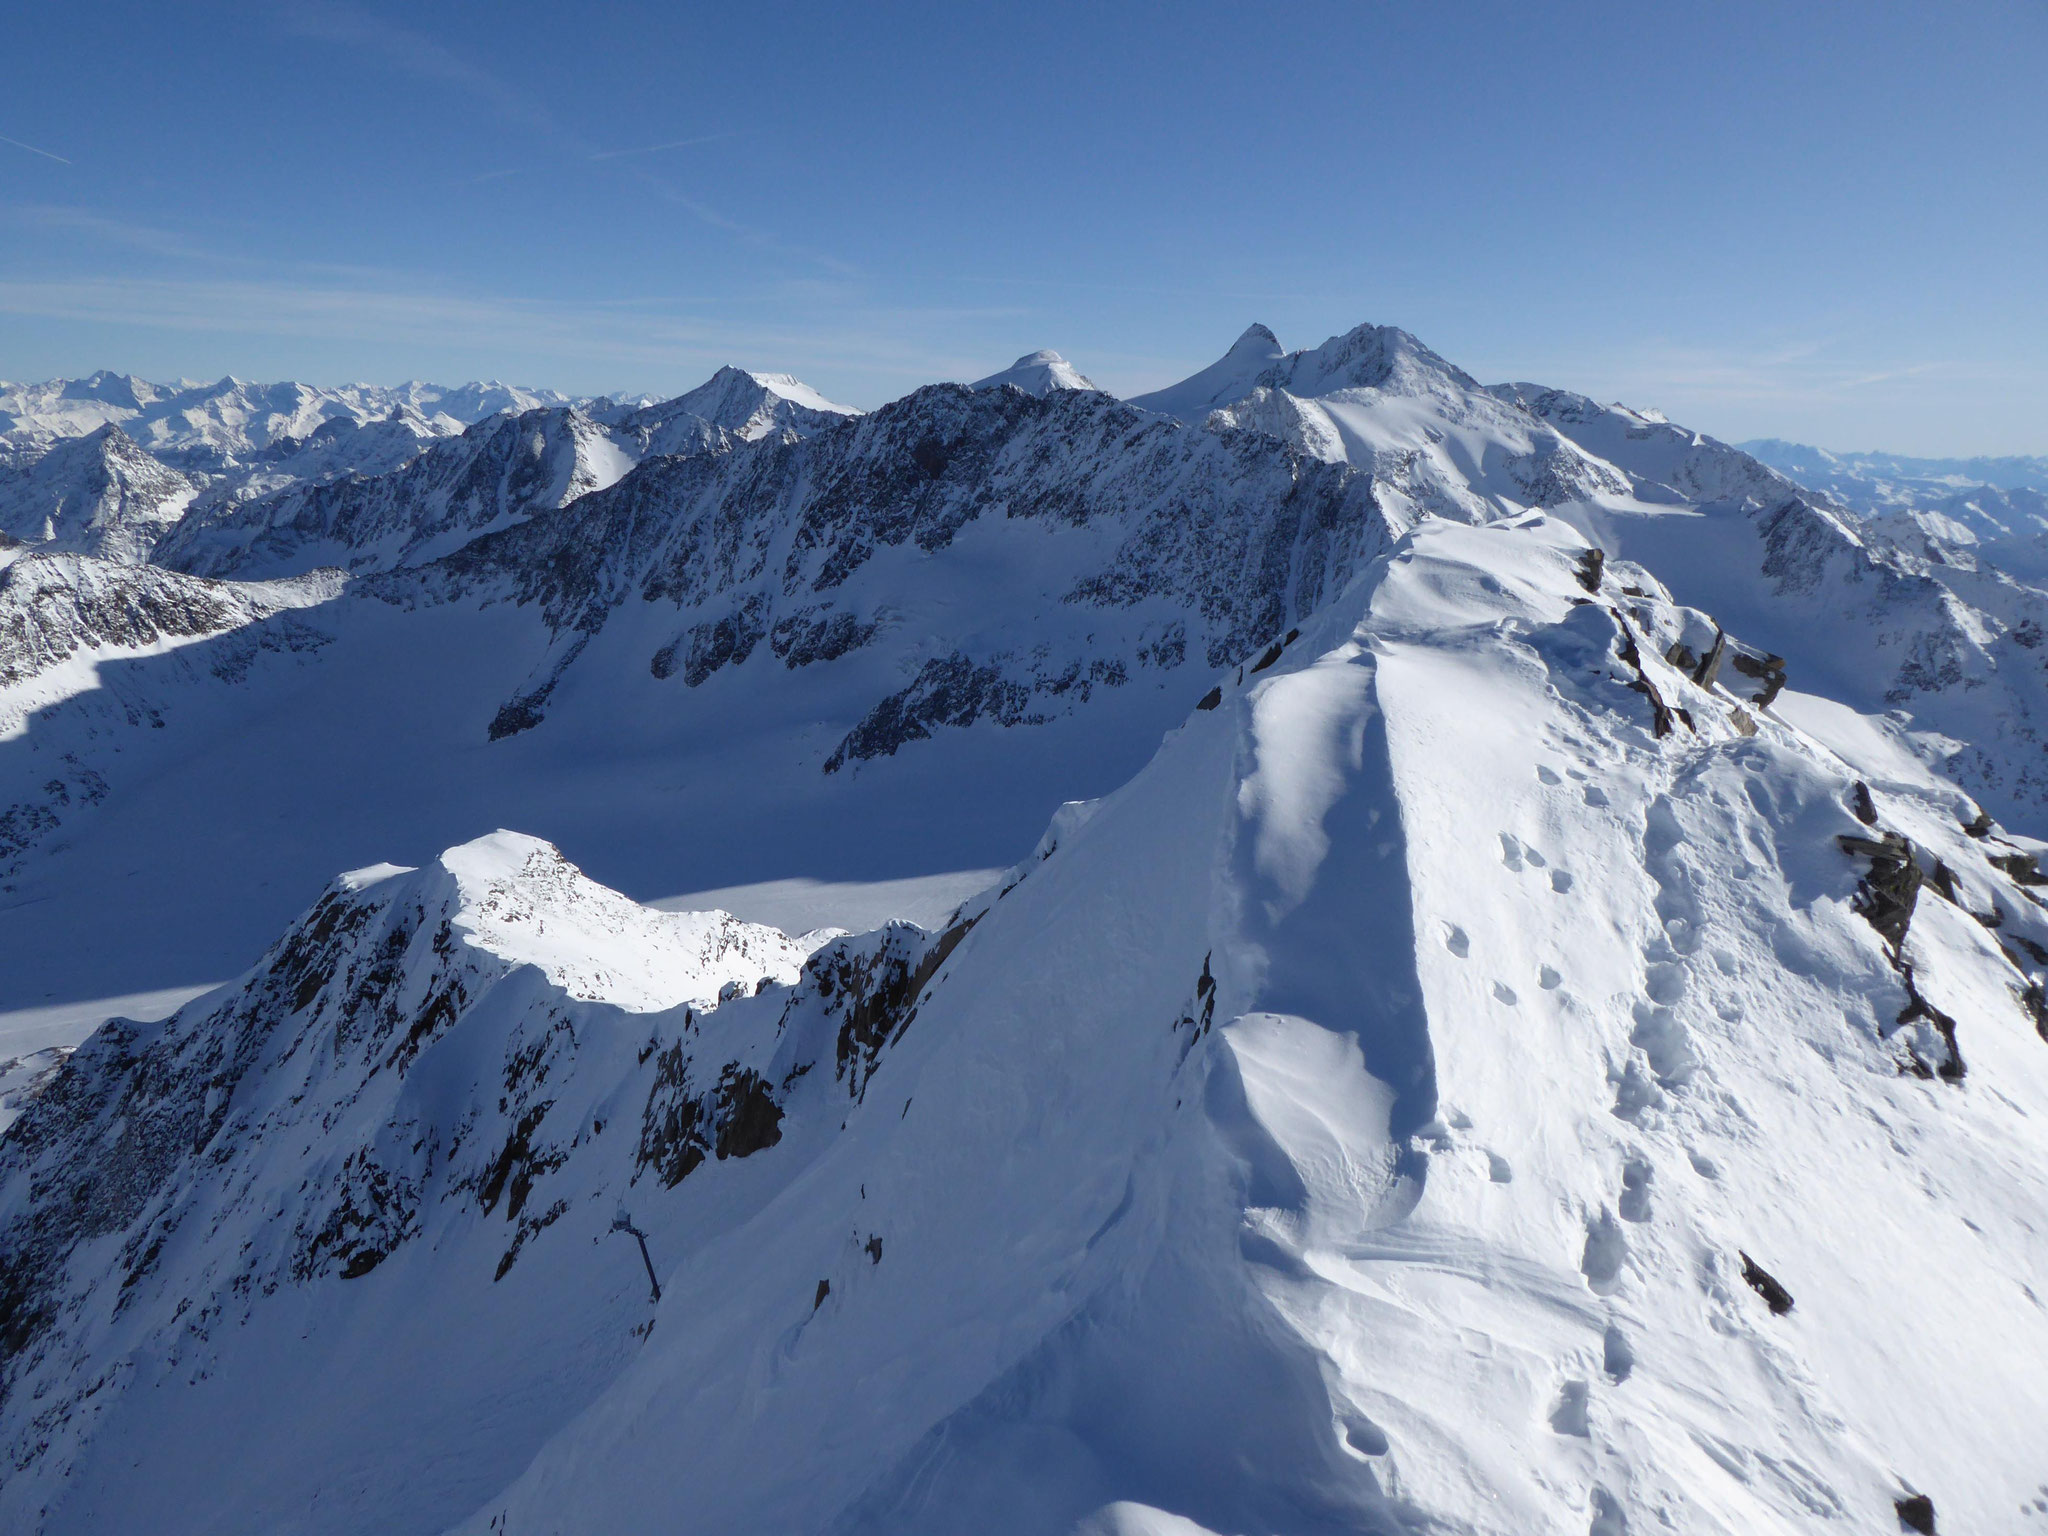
(1456, 941)
(1548, 979)
(1547, 775)
(1511, 852)
(1504, 993)
(1595, 795)
(1560, 881)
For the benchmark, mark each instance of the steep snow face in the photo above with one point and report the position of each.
(497, 473)
(1038, 373)
(1434, 442)
(98, 494)
(1477, 1077)
(1227, 380)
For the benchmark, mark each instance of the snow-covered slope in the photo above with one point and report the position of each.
(1480, 1076)
(497, 473)
(1038, 373)
(1434, 442)
(98, 494)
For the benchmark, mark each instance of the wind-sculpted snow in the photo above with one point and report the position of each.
(1489, 1073)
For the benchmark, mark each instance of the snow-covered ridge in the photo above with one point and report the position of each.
(1491, 1071)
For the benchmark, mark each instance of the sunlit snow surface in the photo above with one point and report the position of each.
(1482, 1071)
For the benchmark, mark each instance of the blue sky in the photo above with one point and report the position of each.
(1825, 221)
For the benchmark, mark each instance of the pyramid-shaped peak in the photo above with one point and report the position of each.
(1231, 377)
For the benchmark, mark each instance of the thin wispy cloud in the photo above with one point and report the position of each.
(46, 154)
(649, 149)
(57, 219)
(416, 54)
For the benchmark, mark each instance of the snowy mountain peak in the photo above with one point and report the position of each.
(1230, 378)
(1039, 373)
(748, 405)
(98, 494)
(1382, 357)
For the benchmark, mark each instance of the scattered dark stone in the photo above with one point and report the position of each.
(1944, 880)
(1769, 670)
(1860, 803)
(1916, 1513)
(364, 1260)
(1272, 655)
(1917, 1007)
(824, 1290)
(2039, 954)
(949, 690)
(2035, 1000)
(1775, 1296)
(1212, 698)
(1680, 656)
(1709, 669)
(1886, 897)
(1660, 712)
(873, 1249)
(1591, 563)
(1978, 825)
(2021, 866)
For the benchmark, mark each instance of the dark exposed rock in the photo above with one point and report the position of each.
(1758, 1279)
(749, 1120)
(2021, 866)
(1979, 825)
(1632, 657)
(1591, 563)
(1769, 672)
(1916, 1513)
(1861, 804)
(1708, 672)
(1887, 894)
(1211, 699)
